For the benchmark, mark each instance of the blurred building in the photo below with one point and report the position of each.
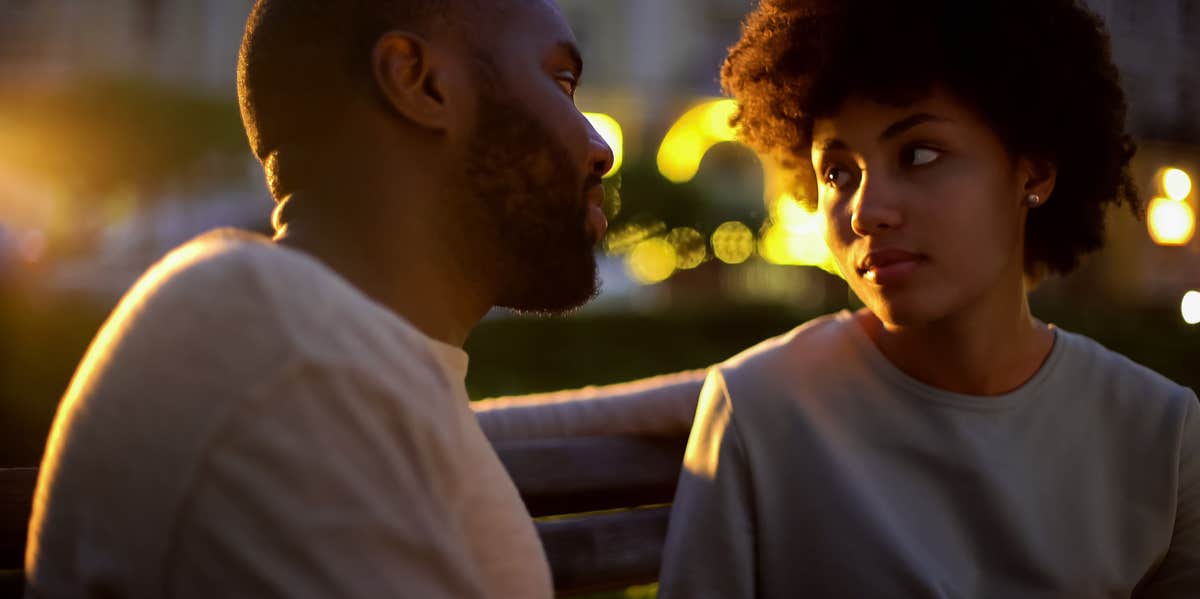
(190, 42)
(1156, 43)
(648, 62)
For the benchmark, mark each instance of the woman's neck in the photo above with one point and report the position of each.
(991, 348)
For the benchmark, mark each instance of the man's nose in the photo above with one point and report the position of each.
(600, 156)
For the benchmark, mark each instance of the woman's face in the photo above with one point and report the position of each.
(923, 207)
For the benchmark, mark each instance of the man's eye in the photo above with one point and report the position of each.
(568, 83)
(920, 156)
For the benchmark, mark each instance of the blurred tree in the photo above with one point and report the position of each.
(98, 138)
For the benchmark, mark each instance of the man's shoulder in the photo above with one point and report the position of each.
(226, 263)
(235, 287)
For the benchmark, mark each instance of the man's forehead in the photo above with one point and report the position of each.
(541, 20)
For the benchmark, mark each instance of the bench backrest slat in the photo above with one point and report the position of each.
(605, 552)
(585, 474)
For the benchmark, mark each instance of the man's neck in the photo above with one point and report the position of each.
(990, 348)
(411, 272)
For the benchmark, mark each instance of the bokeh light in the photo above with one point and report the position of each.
(733, 243)
(622, 239)
(1191, 307)
(610, 130)
(1171, 222)
(652, 261)
(690, 138)
(691, 249)
(1176, 183)
(794, 236)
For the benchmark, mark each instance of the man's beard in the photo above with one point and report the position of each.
(535, 211)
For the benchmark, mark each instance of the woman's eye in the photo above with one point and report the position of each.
(837, 178)
(921, 156)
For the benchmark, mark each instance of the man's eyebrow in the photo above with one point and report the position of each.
(572, 53)
(909, 122)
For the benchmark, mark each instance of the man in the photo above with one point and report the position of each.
(287, 417)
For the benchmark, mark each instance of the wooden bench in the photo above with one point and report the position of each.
(600, 506)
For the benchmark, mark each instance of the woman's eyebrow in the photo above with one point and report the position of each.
(906, 123)
(830, 145)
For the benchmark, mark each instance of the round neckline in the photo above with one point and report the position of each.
(989, 403)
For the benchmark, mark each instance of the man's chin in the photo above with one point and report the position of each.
(549, 295)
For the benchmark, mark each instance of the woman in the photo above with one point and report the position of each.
(941, 442)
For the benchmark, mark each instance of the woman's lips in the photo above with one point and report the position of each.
(889, 267)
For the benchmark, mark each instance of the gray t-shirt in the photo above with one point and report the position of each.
(816, 468)
(247, 424)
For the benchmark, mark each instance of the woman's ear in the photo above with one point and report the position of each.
(1038, 177)
(407, 78)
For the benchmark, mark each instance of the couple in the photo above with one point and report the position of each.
(287, 417)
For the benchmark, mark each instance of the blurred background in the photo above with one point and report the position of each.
(120, 139)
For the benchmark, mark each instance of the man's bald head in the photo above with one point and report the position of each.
(302, 61)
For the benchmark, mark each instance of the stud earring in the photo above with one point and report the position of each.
(1033, 200)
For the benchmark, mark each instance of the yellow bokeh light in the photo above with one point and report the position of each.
(1176, 183)
(1191, 307)
(691, 250)
(610, 130)
(716, 120)
(1171, 222)
(690, 138)
(733, 243)
(622, 240)
(794, 237)
(652, 261)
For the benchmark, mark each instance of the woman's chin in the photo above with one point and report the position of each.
(904, 312)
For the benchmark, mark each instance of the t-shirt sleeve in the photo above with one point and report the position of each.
(663, 406)
(322, 486)
(1179, 573)
(709, 552)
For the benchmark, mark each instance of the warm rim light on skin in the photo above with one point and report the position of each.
(1170, 222)
(1190, 307)
(691, 137)
(610, 130)
(1176, 183)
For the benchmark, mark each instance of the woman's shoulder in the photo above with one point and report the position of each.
(1091, 368)
(822, 344)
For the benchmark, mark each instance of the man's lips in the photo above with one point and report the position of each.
(597, 222)
(885, 267)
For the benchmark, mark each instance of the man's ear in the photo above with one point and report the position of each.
(1039, 176)
(405, 75)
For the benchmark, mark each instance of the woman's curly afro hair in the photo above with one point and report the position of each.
(1039, 72)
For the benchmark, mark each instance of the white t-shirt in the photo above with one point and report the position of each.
(247, 424)
(816, 468)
